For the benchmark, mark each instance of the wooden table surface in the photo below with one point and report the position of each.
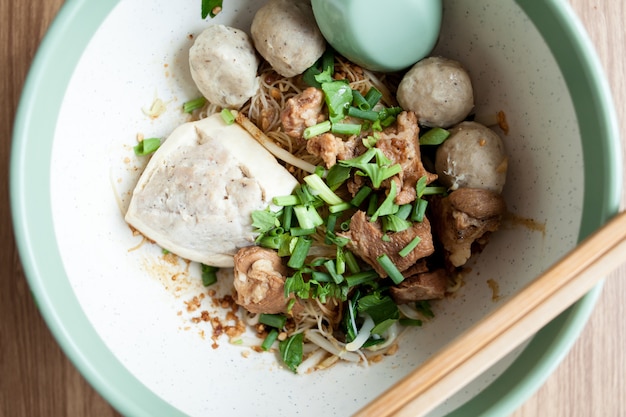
(36, 379)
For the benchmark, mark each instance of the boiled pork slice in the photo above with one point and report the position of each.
(197, 193)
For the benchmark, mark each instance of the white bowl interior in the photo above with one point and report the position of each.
(138, 302)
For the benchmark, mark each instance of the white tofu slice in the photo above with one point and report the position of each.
(197, 193)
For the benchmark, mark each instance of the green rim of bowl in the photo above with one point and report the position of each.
(35, 124)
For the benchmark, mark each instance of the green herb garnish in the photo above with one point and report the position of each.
(291, 351)
(211, 8)
(209, 274)
(147, 146)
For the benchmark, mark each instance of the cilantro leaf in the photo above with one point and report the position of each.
(291, 350)
(263, 221)
(209, 6)
(379, 307)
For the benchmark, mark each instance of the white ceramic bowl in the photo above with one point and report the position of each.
(121, 318)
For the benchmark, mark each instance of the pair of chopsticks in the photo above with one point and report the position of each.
(496, 335)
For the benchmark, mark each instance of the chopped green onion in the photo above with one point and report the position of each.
(274, 320)
(337, 240)
(390, 268)
(346, 128)
(373, 96)
(286, 200)
(331, 221)
(370, 115)
(404, 211)
(351, 263)
(308, 217)
(419, 210)
(317, 129)
(434, 190)
(332, 270)
(270, 242)
(321, 276)
(209, 274)
(345, 226)
(323, 191)
(389, 112)
(372, 205)
(360, 196)
(277, 231)
(420, 186)
(227, 116)
(360, 278)
(337, 208)
(299, 231)
(388, 121)
(369, 142)
(269, 340)
(359, 101)
(340, 261)
(287, 215)
(147, 146)
(195, 104)
(435, 136)
(300, 252)
(410, 246)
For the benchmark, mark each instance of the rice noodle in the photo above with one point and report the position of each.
(311, 361)
(332, 346)
(268, 144)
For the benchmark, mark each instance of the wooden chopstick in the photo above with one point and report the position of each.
(496, 335)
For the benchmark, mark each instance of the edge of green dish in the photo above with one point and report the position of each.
(584, 75)
(67, 37)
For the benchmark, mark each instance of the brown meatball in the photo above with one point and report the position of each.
(474, 157)
(223, 64)
(438, 90)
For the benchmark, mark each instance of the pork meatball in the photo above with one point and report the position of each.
(286, 35)
(474, 157)
(438, 90)
(223, 64)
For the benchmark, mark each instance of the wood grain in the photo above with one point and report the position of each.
(36, 379)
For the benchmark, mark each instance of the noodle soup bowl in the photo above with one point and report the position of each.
(138, 323)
